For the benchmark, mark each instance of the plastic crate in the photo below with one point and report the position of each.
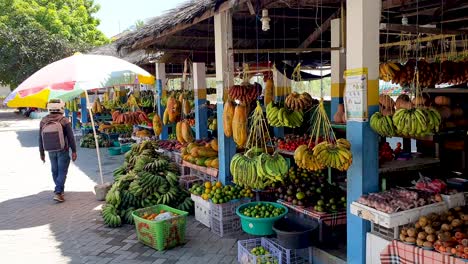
(244, 247)
(177, 157)
(187, 181)
(454, 200)
(202, 210)
(225, 227)
(292, 256)
(226, 210)
(163, 234)
(385, 232)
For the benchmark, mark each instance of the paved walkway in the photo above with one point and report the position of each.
(34, 229)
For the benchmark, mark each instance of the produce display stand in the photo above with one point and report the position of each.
(398, 252)
(329, 219)
(204, 171)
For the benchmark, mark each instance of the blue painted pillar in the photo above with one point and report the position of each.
(201, 111)
(338, 65)
(84, 110)
(74, 119)
(282, 89)
(67, 113)
(224, 78)
(160, 92)
(362, 53)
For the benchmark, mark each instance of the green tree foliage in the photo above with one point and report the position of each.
(34, 33)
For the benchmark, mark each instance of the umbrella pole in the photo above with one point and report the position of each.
(95, 136)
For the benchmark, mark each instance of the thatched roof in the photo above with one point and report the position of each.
(188, 30)
(138, 57)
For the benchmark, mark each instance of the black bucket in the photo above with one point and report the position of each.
(295, 233)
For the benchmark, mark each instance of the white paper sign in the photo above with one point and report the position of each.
(355, 95)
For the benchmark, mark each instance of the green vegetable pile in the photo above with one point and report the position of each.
(87, 141)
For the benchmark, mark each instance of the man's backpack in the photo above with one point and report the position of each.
(53, 138)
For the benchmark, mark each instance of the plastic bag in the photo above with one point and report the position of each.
(163, 216)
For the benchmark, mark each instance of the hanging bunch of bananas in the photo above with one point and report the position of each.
(416, 122)
(146, 98)
(283, 117)
(97, 106)
(382, 125)
(72, 106)
(299, 102)
(305, 159)
(256, 168)
(387, 71)
(132, 102)
(335, 155)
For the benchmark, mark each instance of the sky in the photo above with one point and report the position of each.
(118, 15)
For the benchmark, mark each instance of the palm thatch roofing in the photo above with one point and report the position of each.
(188, 30)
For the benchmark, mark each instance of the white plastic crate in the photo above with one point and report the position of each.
(395, 219)
(293, 256)
(384, 232)
(187, 181)
(244, 247)
(202, 210)
(226, 210)
(226, 226)
(454, 200)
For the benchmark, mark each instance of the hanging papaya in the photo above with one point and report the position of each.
(269, 92)
(172, 109)
(214, 144)
(187, 132)
(186, 108)
(228, 115)
(166, 117)
(239, 125)
(157, 124)
(179, 136)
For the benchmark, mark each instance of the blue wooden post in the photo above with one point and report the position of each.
(84, 110)
(160, 92)
(201, 111)
(282, 88)
(362, 52)
(67, 113)
(74, 119)
(224, 78)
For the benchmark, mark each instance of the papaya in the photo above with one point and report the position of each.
(228, 115)
(207, 152)
(269, 92)
(187, 132)
(186, 108)
(192, 160)
(179, 136)
(166, 117)
(201, 161)
(172, 109)
(215, 163)
(239, 125)
(183, 151)
(157, 124)
(214, 144)
(194, 152)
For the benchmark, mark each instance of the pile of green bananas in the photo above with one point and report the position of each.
(382, 125)
(259, 171)
(145, 179)
(72, 106)
(283, 117)
(416, 122)
(146, 98)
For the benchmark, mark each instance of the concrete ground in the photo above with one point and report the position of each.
(35, 229)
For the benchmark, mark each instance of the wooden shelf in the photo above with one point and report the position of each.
(446, 90)
(210, 171)
(408, 165)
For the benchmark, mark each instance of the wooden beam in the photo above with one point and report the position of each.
(208, 14)
(410, 42)
(238, 38)
(318, 31)
(387, 4)
(465, 18)
(416, 29)
(287, 50)
(251, 8)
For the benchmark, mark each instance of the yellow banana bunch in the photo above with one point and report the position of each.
(305, 159)
(387, 71)
(336, 156)
(132, 101)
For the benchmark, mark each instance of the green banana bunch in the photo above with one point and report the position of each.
(416, 122)
(283, 117)
(110, 216)
(382, 125)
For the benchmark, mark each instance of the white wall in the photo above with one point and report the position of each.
(4, 91)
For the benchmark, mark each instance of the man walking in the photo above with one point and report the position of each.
(56, 137)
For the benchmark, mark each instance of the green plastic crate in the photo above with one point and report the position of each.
(163, 234)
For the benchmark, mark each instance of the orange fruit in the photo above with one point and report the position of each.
(219, 184)
(208, 185)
